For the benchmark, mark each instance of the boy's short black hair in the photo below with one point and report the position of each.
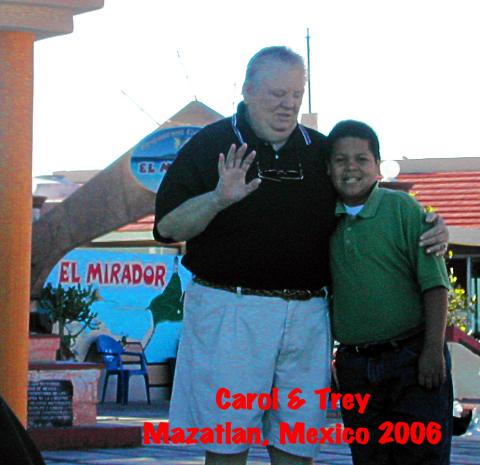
(352, 128)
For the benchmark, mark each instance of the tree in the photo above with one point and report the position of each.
(460, 305)
(67, 307)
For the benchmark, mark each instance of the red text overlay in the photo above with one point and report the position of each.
(225, 400)
(295, 433)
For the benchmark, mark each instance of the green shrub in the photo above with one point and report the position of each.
(460, 306)
(67, 306)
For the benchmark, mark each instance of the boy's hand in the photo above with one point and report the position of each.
(431, 368)
(436, 238)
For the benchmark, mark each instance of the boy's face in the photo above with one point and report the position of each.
(353, 169)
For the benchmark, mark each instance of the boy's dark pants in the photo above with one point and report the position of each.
(391, 378)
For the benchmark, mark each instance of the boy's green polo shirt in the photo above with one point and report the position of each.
(378, 269)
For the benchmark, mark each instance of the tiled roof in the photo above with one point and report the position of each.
(145, 224)
(455, 195)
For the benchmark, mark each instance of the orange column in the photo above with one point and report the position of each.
(16, 105)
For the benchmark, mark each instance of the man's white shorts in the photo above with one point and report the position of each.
(251, 344)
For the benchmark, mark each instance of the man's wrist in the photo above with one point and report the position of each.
(218, 204)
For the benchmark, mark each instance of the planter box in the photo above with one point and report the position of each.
(43, 347)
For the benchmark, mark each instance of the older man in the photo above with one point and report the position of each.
(257, 224)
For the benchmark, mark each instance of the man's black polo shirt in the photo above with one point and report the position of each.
(275, 238)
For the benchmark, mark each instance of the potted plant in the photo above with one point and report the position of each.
(71, 309)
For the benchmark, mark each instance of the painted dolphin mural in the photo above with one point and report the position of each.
(167, 306)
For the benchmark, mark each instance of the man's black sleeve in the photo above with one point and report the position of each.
(182, 181)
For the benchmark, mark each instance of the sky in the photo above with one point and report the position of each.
(408, 68)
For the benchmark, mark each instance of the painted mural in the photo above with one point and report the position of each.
(140, 297)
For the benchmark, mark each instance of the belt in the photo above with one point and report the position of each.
(286, 294)
(378, 348)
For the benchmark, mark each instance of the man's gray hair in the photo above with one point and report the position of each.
(275, 53)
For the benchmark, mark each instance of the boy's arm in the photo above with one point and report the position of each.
(431, 364)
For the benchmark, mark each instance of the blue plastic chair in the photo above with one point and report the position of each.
(111, 352)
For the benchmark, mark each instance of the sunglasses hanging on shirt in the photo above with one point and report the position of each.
(281, 174)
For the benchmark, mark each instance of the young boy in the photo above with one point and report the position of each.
(389, 311)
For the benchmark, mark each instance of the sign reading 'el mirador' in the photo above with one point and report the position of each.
(154, 154)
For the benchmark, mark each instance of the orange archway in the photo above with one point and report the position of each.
(21, 23)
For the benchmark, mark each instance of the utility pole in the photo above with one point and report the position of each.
(308, 72)
(309, 119)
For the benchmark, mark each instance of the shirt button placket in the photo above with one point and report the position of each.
(348, 236)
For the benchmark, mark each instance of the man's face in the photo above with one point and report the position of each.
(273, 100)
(353, 169)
